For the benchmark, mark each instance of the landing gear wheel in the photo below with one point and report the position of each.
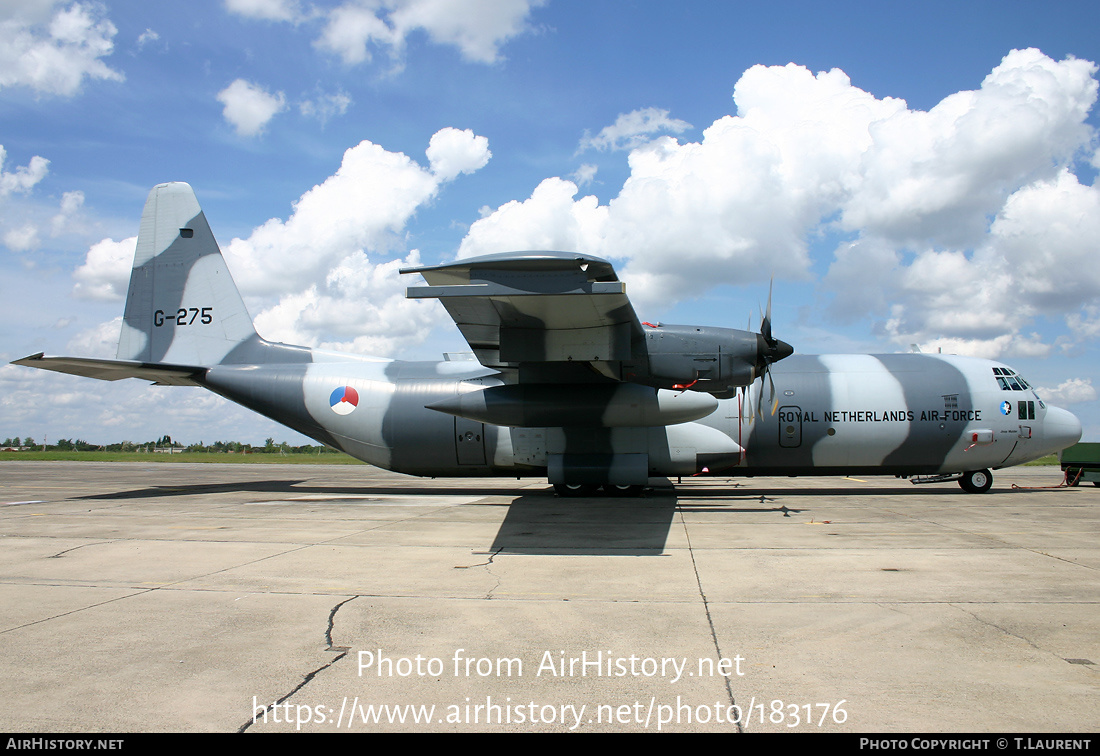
(573, 490)
(976, 481)
(623, 491)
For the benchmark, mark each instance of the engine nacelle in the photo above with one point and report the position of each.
(714, 360)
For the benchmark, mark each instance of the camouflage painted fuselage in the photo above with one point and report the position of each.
(900, 414)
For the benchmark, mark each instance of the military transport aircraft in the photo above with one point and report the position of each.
(565, 382)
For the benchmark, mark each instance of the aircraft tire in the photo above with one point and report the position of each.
(623, 491)
(976, 481)
(573, 490)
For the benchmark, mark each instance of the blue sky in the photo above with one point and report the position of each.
(905, 176)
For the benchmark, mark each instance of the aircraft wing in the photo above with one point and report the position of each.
(535, 308)
(115, 370)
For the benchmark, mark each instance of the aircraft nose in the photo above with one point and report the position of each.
(1061, 428)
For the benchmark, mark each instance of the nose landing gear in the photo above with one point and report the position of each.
(976, 481)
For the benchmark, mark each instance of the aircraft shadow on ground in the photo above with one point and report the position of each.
(294, 487)
(197, 489)
(541, 523)
(544, 524)
(538, 522)
(726, 492)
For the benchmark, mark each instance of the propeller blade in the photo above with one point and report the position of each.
(760, 400)
(766, 317)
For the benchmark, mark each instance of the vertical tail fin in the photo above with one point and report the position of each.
(182, 307)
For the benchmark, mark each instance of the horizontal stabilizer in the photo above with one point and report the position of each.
(116, 370)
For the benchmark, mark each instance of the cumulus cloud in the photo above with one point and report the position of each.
(23, 178)
(550, 220)
(452, 152)
(105, 273)
(54, 52)
(360, 307)
(477, 29)
(97, 341)
(1018, 272)
(71, 202)
(1086, 323)
(585, 175)
(266, 10)
(356, 29)
(327, 276)
(680, 218)
(364, 205)
(351, 31)
(958, 224)
(1073, 391)
(22, 239)
(938, 175)
(249, 107)
(633, 129)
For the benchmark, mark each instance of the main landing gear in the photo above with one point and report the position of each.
(572, 490)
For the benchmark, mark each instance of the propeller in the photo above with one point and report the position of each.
(769, 350)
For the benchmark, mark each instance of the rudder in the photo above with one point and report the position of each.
(182, 306)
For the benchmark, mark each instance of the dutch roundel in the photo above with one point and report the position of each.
(344, 400)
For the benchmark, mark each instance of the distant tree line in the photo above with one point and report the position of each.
(166, 442)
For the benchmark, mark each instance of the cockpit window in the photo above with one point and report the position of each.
(1009, 381)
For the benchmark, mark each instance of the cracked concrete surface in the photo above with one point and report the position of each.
(200, 598)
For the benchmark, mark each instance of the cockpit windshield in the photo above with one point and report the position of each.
(1008, 380)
